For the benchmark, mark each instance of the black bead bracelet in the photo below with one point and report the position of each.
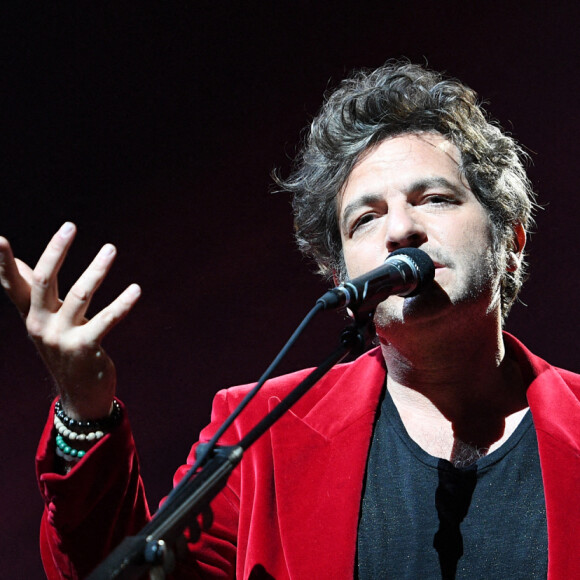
(105, 424)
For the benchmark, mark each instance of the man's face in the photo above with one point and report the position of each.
(408, 192)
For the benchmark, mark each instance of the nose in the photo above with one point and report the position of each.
(404, 230)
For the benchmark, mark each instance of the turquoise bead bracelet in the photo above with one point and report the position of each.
(67, 449)
(86, 433)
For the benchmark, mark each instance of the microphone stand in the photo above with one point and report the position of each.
(154, 548)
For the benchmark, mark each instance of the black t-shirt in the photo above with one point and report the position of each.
(423, 518)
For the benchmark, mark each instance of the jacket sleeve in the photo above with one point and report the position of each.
(102, 499)
(88, 511)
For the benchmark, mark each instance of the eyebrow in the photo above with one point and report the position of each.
(418, 186)
(426, 183)
(368, 199)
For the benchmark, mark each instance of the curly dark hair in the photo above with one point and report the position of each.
(400, 98)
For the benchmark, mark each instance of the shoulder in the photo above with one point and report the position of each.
(536, 367)
(570, 378)
(371, 362)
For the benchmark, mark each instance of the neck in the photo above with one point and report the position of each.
(431, 362)
(458, 385)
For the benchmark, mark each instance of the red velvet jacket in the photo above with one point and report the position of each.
(290, 510)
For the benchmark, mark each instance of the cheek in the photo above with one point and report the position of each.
(351, 265)
(361, 257)
(480, 262)
(365, 251)
(473, 235)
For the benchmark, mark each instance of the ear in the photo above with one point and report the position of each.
(516, 250)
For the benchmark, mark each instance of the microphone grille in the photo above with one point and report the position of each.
(423, 264)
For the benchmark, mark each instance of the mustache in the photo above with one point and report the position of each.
(439, 256)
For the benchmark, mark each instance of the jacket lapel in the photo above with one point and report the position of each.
(555, 409)
(555, 406)
(319, 466)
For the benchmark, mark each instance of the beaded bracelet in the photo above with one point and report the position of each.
(105, 424)
(73, 435)
(84, 432)
(68, 452)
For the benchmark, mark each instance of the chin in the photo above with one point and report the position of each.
(397, 312)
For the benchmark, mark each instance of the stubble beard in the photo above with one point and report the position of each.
(474, 292)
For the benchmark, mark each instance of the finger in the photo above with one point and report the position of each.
(17, 287)
(105, 320)
(24, 270)
(44, 288)
(79, 297)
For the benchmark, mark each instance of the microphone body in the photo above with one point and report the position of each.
(405, 272)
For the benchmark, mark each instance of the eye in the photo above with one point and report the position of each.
(439, 199)
(362, 221)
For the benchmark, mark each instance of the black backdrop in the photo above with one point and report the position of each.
(155, 127)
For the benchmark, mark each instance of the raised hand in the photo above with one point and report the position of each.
(68, 342)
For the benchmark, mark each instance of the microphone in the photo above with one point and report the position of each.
(405, 272)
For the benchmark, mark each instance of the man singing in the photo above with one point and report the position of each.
(448, 451)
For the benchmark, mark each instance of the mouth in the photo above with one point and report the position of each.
(439, 268)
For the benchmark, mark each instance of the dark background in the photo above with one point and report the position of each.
(155, 127)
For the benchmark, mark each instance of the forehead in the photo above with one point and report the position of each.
(397, 161)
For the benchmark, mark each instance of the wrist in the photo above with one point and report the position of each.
(102, 425)
(73, 438)
(87, 408)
